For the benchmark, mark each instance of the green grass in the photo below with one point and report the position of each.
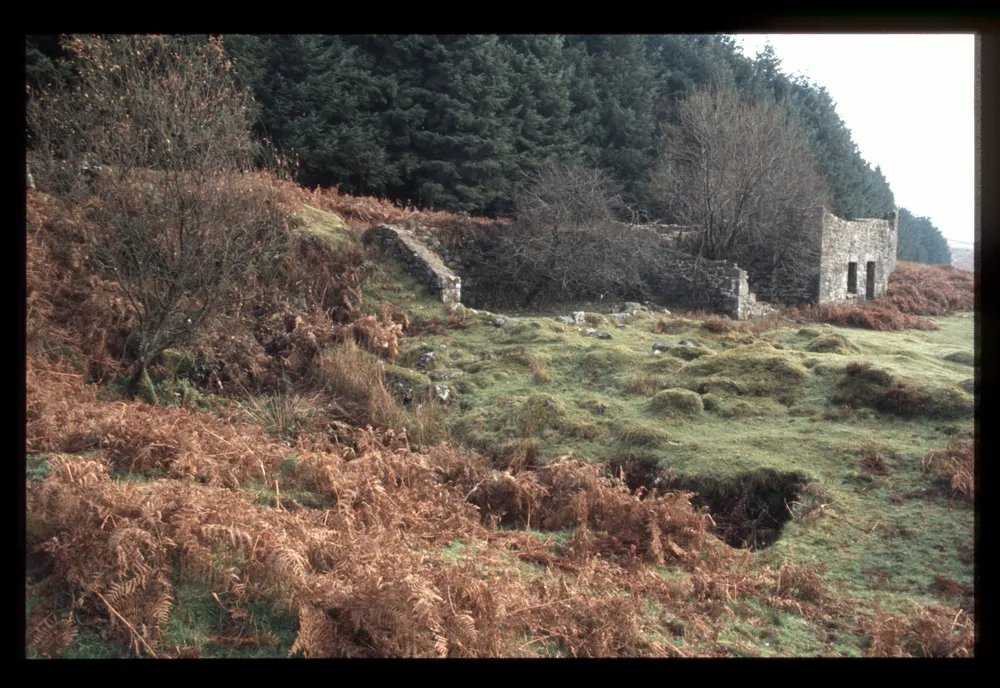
(199, 621)
(37, 466)
(327, 226)
(673, 403)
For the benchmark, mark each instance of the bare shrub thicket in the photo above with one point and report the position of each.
(739, 171)
(568, 240)
(155, 141)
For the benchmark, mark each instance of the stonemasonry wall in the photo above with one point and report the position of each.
(420, 261)
(470, 258)
(858, 242)
(715, 285)
(796, 279)
(681, 280)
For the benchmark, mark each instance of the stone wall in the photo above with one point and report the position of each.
(833, 244)
(473, 258)
(420, 261)
(680, 280)
(868, 244)
(680, 237)
(684, 281)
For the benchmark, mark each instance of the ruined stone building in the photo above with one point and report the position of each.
(851, 262)
(856, 256)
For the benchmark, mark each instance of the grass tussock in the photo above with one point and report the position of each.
(644, 384)
(926, 631)
(599, 359)
(357, 384)
(964, 357)
(758, 371)
(674, 325)
(831, 344)
(532, 361)
(536, 414)
(630, 434)
(677, 402)
(865, 386)
(718, 325)
(954, 466)
(873, 460)
(284, 414)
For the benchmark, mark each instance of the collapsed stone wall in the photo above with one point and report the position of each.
(420, 261)
(829, 246)
(680, 280)
(792, 276)
(471, 258)
(685, 281)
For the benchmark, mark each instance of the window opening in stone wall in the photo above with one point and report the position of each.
(870, 280)
(852, 278)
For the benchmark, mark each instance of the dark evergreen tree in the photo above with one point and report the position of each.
(622, 136)
(538, 114)
(920, 241)
(46, 64)
(454, 122)
(319, 101)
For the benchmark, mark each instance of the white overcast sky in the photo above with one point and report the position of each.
(909, 103)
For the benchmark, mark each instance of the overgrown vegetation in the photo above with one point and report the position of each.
(914, 291)
(154, 138)
(568, 241)
(737, 170)
(180, 490)
(338, 465)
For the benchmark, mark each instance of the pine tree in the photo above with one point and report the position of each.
(318, 101)
(920, 241)
(623, 133)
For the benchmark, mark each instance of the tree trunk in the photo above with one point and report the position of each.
(140, 382)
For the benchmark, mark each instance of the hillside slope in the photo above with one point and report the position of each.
(283, 488)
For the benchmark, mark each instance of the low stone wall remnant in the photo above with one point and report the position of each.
(420, 261)
(714, 285)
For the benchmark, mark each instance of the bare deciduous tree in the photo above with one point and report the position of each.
(739, 171)
(156, 138)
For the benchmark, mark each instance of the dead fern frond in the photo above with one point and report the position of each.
(50, 635)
